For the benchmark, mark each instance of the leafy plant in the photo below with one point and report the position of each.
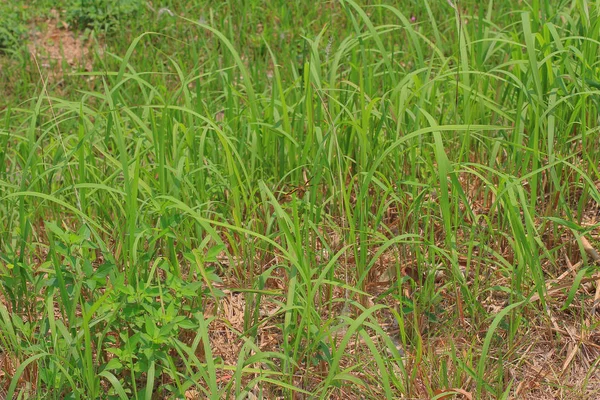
(101, 15)
(151, 320)
(12, 28)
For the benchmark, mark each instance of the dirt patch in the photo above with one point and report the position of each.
(55, 46)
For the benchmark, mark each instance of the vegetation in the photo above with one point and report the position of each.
(301, 200)
(102, 14)
(12, 29)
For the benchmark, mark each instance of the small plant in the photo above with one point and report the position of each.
(101, 15)
(12, 29)
(151, 321)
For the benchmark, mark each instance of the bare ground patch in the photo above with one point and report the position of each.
(57, 49)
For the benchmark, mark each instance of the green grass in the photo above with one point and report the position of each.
(308, 200)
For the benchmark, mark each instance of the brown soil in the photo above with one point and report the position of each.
(55, 47)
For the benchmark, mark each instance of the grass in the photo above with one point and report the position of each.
(309, 200)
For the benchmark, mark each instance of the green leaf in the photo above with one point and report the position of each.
(113, 364)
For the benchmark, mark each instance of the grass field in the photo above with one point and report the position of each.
(297, 200)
